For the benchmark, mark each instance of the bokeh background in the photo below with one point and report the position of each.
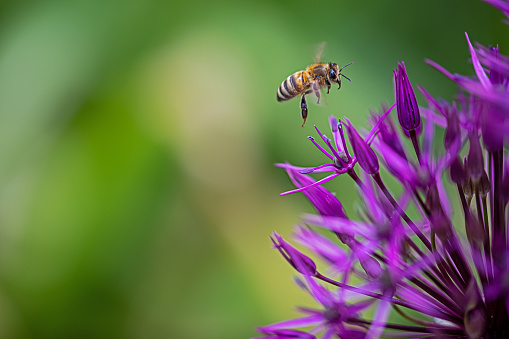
(137, 142)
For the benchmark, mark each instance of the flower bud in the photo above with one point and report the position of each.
(496, 78)
(475, 316)
(452, 138)
(371, 266)
(475, 231)
(441, 225)
(493, 133)
(322, 200)
(433, 200)
(302, 263)
(484, 185)
(366, 157)
(475, 160)
(457, 172)
(389, 135)
(387, 283)
(408, 110)
(468, 188)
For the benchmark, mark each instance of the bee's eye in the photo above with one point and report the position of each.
(332, 74)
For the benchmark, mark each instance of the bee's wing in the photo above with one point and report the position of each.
(319, 50)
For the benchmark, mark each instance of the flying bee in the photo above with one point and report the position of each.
(311, 80)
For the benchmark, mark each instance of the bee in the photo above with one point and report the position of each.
(317, 76)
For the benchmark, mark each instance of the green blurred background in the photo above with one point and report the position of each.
(137, 142)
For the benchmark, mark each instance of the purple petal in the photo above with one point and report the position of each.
(379, 320)
(323, 201)
(324, 138)
(442, 70)
(316, 183)
(398, 166)
(287, 166)
(371, 134)
(481, 75)
(320, 169)
(323, 246)
(335, 132)
(501, 5)
(430, 115)
(343, 141)
(311, 320)
(320, 148)
(444, 198)
(340, 225)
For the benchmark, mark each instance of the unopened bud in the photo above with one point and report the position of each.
(475, 160)
(408, 110)
(457, 172)
(475, 231)
(468, 188)
(433, 200)
(475, 317)
(302, 263)
(484, 185)
(452, 138)
(371, 266)
(366, 157)
(441, 225)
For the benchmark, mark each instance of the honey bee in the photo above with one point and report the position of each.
(311, 80)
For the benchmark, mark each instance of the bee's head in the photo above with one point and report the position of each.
(335, 73)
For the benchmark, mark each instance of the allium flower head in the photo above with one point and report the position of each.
(443, 269)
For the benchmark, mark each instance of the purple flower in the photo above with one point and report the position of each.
(443, 267)
(341, 160)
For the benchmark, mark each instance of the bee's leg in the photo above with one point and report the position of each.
(317, 93)
(328, 85)
(304, 108)
(316, 89)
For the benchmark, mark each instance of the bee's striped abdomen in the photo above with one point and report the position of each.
(294, 85)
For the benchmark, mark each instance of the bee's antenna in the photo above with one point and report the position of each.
(344, 76)
(344, 67)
